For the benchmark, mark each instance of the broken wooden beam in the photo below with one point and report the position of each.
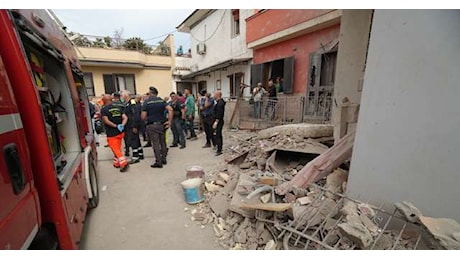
(322, 165)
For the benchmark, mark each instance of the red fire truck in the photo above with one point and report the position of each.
(48, 177)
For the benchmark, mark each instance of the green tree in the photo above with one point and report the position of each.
(99, 43)
(108, 41)
(134, 43)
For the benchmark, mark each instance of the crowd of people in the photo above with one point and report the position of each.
(127, 118)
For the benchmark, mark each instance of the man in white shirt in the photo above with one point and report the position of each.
(258, 93)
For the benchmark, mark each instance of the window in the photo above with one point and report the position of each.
(328, 62)
(116, 82)
(235, 22)
(235, 80)
(89, 83)
(202, 86)
(283, 68)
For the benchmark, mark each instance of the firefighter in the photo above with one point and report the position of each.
(153, 111)
(116, 101)
(133, 112)
(115, 120)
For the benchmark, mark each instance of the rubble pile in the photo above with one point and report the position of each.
(247, 211)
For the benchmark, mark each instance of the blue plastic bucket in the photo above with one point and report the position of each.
(193, 190)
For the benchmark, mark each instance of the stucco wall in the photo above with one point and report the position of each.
(355, 26)
(144, 78)
(215, 32)
(275, 20)
(407, 145)
(225, 81)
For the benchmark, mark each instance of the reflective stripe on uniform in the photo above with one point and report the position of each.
(10, 122)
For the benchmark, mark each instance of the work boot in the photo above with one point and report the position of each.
(164, 162)
(156, 165)
(133, 161)
(206, 146)
(141, 157)
(124, 168)
(182, 147)
(148, 144)
(218, 153)
(173, 145)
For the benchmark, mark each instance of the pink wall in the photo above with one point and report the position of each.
(275, 20)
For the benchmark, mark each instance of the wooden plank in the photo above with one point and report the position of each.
(268, 206)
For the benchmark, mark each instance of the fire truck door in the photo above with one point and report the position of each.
(19, 206)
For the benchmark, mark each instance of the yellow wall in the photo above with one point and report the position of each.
(104, 54)
(144, 78)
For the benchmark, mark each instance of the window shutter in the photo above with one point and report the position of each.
(109, 84)
(130, 83)
(89, 84)
(288, 75)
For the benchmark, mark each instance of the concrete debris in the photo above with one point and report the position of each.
(334, 182)
(271, 245)
(224, 176)
(220, 183)
(266, 198)
(444, 230)
(247, 165)
(356, 232)
(245, 213)
(304, 201)
(409, 211)
(302, 130)
(210, 187)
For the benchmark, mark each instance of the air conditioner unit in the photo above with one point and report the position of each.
(201, 48)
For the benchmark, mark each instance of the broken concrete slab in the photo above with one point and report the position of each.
(349, 208)
(304, 200)
(220, 183)
(409, 211)
(245, 182)
(220, 204)
(445, 230)
(321, 165)
(303, 130)
(247, 165)
(369, 224)
(367, 210)
(356, 232)
(385, 242)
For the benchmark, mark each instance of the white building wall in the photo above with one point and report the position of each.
(221, 75)
(216, 32)
(407, 144)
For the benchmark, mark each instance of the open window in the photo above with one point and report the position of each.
(116, 82)
(283, 68)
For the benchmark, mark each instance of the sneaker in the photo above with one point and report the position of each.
(206, 146)
(156, 165)
(193, 138)
(149, 144)
(124, 168)
(218, 153)
(173, 145)
(134, 161)
(182, 147)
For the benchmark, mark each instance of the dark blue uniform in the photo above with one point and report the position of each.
(155, 108)
(133, 112)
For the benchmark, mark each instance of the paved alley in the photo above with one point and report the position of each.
(143, 208)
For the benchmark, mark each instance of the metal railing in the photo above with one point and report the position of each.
(283, 110)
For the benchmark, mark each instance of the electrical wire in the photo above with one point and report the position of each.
(212, 35)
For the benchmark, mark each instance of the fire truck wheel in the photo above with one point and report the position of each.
(94, 201)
